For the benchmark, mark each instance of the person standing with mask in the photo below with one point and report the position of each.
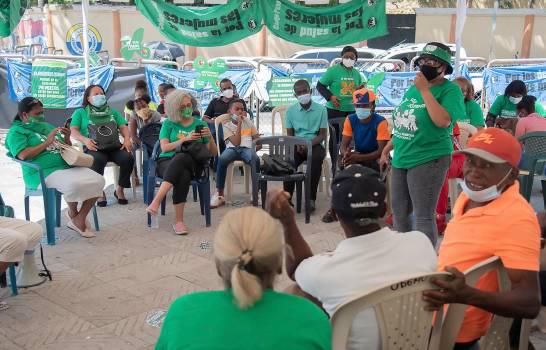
(337, 86)
(307, 119)
(422, 141)
(95, 112)
(368, 131)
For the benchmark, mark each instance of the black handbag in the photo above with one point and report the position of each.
(275, 165)
(201, 156)
(106, 135)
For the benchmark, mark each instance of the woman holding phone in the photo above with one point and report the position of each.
(178, 169)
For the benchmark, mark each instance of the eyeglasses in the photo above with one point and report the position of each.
(428, 62)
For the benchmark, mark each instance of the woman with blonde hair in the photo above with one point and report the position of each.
(178, 168)
(248, 314)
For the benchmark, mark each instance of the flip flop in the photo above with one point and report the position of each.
(87, 222)
(86, 234)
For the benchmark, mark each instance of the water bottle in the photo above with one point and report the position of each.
(154, 222)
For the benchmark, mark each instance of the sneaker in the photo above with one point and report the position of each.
(180, 229)
(217, 201)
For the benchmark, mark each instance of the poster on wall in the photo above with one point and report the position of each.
(49, 83)
(74, 39)
(347, 23)
(204, 27)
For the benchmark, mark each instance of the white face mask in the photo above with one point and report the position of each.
(347, 62)
(486, 195)
(304, 99)
(227, 93)
(363, 113)
(515, 100)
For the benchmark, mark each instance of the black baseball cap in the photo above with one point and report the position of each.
(357, 193)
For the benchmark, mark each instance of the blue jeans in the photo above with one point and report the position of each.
(227, 157)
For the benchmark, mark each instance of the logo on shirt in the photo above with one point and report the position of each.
(485, 138)
(405, 120)
(347, 88)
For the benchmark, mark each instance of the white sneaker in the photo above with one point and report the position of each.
(217, 201)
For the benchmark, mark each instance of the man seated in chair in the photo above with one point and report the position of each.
(16, 236)
(368, 130)
(371, 255)
(307, 119)
(239, 133)
(490, 218)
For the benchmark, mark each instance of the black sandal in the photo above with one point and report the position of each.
(121, 201)
(102, 202)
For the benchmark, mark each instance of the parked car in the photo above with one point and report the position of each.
(330, 53)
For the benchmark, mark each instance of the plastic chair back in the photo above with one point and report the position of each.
(218, 121)
(281, 111)
(534, 148)
(399, 310)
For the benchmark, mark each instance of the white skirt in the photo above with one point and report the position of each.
(76, 184)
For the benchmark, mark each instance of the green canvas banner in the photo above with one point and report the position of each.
(214, 26)
(10, 15)
(348, 23)
(49, 83)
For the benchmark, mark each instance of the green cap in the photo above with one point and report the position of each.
(432, 50)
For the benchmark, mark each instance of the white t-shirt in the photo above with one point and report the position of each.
(247, 131)
(361, 264)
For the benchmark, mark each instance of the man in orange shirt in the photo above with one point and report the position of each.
(490, 219)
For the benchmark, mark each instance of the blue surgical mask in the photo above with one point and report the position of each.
(304, 99)
(98, 100)
(486, 195)
(363, 113)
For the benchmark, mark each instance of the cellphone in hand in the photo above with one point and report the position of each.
(199, 129)
(67, 123)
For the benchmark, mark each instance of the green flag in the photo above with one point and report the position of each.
(10, 15)
(213, 26)
(348, 23)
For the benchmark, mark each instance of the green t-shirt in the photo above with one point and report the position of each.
(416, 139)
(80, 118)
(212, 320)
(24, 135)
(171, 131)
(474, 114)
(502, 107)
(342, 82)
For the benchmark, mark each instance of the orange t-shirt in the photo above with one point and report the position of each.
(508, 228)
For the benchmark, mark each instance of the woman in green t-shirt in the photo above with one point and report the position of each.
(32, 139)
(503, 111)
(178, 169)
(337, 86)
(422, 141)
(96, 111)
(473, 112)
(248, 314)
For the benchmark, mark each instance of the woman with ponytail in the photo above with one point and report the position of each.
(248, 314)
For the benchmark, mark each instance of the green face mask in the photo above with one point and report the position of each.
(187, 112)
(36, 119)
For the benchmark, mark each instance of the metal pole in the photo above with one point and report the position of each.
(461, 18)
(85, 10)
(493, 29)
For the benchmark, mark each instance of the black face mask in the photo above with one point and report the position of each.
(429, 72)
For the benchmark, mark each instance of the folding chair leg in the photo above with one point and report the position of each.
(194, 188)
(96, 219)
(27, 208)
(229, 181)
(246, 170)
(58, 197)
(13, 280)
(298, 196)
(263, 188)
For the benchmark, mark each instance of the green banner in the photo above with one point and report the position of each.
(213, 26)
(281, 91)
(10, 15)
(348, 23)
(49, 83)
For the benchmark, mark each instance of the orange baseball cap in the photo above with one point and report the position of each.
(363, 96)
(494, 145)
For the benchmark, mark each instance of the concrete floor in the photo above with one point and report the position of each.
(111, 292)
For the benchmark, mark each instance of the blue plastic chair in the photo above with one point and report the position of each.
(52, 203)
(201, 186)
(7, 211)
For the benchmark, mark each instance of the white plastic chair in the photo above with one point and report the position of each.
(466, 131)
(399, 310)
(496, 337)
(218, 121)
(326, 164)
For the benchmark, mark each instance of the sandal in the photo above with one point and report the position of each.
(121, 201)
(180, 229)
(101, 202)
(87, 222)
(3, 305)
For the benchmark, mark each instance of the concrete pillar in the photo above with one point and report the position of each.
(452, 28)
(116, 19)
(49, 17)
(526, 42)
(262, 42)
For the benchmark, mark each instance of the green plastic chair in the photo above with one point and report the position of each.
(534, 148)
(8, 212)
(52, 203)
